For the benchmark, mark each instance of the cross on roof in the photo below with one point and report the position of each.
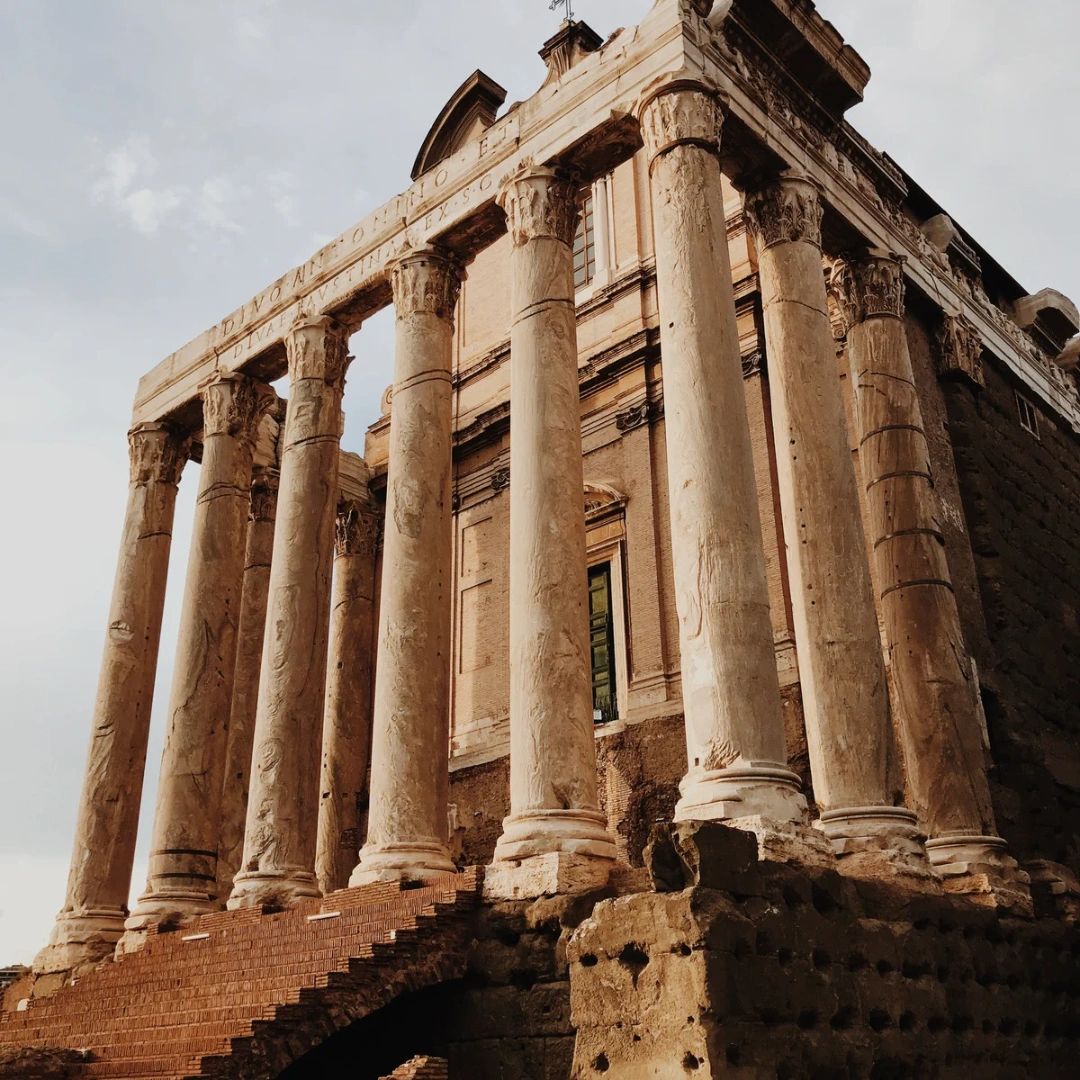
(568, 4)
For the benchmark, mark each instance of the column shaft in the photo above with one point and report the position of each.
(182, 877)
(731, 694)
(931, 672)
(282, 816)
(841, 669)
(553, 786)
(346, 740)
(245, 696)
(99, 881)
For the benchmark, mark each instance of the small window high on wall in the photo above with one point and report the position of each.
(585, 243)
(602, 644)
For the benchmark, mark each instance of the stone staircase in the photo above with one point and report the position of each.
(245, 994)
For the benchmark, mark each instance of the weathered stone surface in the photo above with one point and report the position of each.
(551, 874)
(44, 1064)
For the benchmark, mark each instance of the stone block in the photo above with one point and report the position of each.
(553, 874)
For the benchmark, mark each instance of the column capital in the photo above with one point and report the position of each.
(264, 493)
(540, 201)
(871, 286)
(427, 281)
(960, 349)
(157, 454)
(680, 112)
(234, 405)
(785, 210)
(356, 529)
(317, 347)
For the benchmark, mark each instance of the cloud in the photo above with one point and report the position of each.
(146, 207)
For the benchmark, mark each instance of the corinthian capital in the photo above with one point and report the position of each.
(317, 348)
(356, 530)
(426, 281)
(786, 210)
(869, 287)
(157, 454)
(234, 404)
(960, 350)
(679, 113)
(540, 202)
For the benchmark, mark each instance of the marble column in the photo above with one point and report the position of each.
(245, 695)
(857, 783)
(731, 694)
(936, 706)
(182, 878)
(95, 906)
(278, 865)
(554, 808)
(407, 808)
(346, 739)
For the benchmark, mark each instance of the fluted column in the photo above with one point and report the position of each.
(245, 695)
(282, 815)
(731, 695)
(407, 807)
(935, 692)
(346, 740)
(554, 808)
(95, 906)
(857, 783)
(182, 878)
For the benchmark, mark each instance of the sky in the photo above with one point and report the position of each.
(163, 160)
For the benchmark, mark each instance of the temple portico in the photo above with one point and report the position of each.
(359, 632)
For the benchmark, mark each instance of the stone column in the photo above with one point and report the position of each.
(731, 693)
(407, 809)
(282, 816)
(346, 739)
(842, 673)
(936, 707)
(182, 878)
(555, 823)
(95, 906)
(245, 695)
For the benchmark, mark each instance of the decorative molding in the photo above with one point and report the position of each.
(157, 454)
(317, 348)
(635, 416)
(540, 202)
(680, 114)
(788, 210)
(753, 364)
(264, 494)
(868, 287)
(234, 405)
(500, 479)
(960, 350)
(356, 530)
(426, 282)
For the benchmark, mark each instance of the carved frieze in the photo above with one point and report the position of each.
(960, 350)
(264, 493)
(156, 454)
(427, 281)
(681, 114)
(785, 211)
(318, 348)
(868, 287)
(540, 202)
(635, 416)
(356, 530)
(500, 479)
(234, 404)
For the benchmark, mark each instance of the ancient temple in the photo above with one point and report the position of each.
(684, 682)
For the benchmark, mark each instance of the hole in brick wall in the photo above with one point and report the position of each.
(733, 1054)
(690, 1061)
(1008, 1026)
(741, 949)
(808, 1019)
(820, 958)
(784, 956)
(911, 970)
(884, 967)
(857, 962)
(961, 1024)
(936, 1024)
(635, 959)
(843, 1019)
(762, 944)
(601, 1064)
(409, 886)
(879, 1019)
(907, 1021)
(682, 949)
(921, 924)
(523, 978)
(507, 936)
(988, 1027)
(943, 973)
(792, 898)
(1031, 1028)
(588, 960)
(824, 904)
(769, 1016)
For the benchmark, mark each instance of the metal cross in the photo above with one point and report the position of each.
(568, 4)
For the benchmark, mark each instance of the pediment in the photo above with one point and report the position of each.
(471, 110)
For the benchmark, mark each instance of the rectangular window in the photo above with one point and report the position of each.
(602, 644)
(1029, 415)
(585, 243)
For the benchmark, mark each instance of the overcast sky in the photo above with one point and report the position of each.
(163, 160)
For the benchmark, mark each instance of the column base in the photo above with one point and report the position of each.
(981, 869)
(545, 832)
(79, 941)
(879, 842)
(272, 889)
(759, 789)
(556, 873)
(401, 862)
